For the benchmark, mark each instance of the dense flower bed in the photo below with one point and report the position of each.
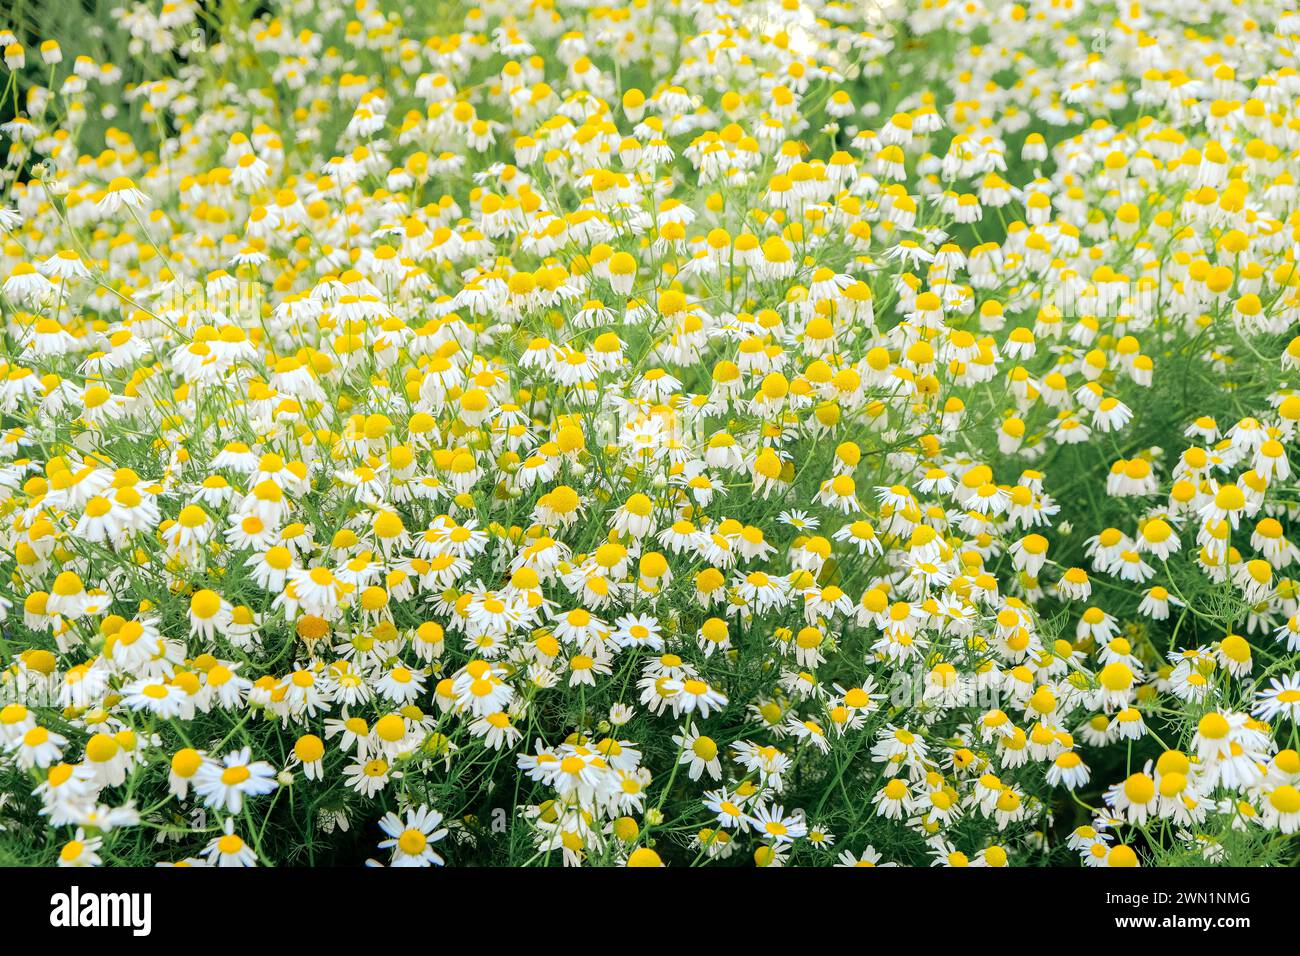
(693, 432)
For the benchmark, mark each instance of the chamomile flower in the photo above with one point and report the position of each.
(227, 783)
(411, 838)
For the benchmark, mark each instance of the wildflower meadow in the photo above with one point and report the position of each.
(677, 432)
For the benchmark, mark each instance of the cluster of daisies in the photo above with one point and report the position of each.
(756, 432)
